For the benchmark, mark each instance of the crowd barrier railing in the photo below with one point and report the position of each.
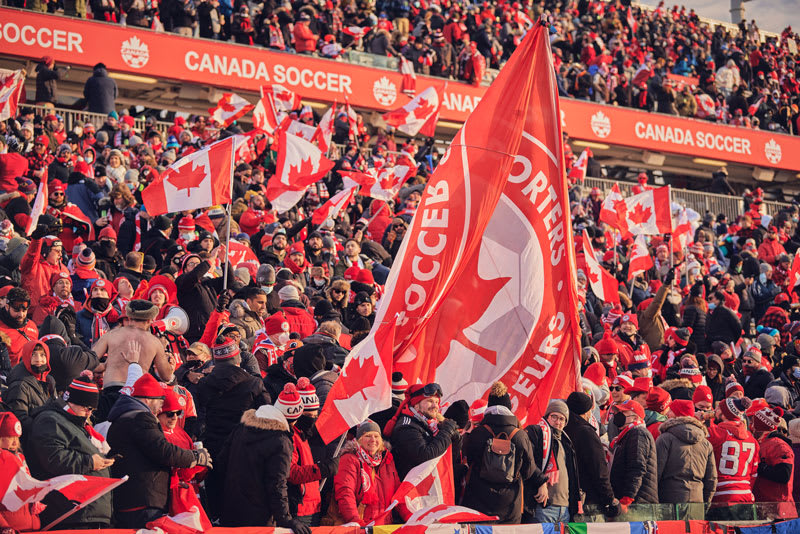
(73, 117)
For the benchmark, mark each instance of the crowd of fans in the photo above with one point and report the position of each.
(662, 59)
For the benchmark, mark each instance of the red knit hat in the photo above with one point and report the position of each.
(147, 387)
(289, 402)
(10, 427)
(701, 394)
(767, 419)
(631, 406)
(107, 233)
(624, 380)
(351, 273)
(630, 318)
(596, 373)
(658, 400)
(224, 349)
(733, 409)
(277, 323)
(641, 359)
(365, 277)
(607, 345)
(732, 386)
(186, 224)
(60, 275)
(682, 408)
(641, 384)
(172, 401)
(308, 394)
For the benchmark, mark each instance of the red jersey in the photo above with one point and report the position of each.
(736, 455)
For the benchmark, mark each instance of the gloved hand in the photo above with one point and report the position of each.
(40, 231)
(624, 503)
(613, 509)
(223, 301)
(328, 467)
(669, 277)
(449, 427)
(202, 458)
(298, 527)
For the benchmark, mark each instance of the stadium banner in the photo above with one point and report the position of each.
(161, 55)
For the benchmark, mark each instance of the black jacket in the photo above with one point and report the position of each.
(502, 500)
(198, 296)
(756, 384)
(147, 456)
(100, 92)
(26, 393)
(222, 397)
(277, 377)
(722, 325)
(46, 83)
(414, 443)
(532, 484)
(334, 353)
(634, 471)
(67, 362)
(590, 457)
(60, 445)
(256, 461)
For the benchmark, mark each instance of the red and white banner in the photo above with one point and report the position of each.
(39, 205)
(12, 85)
(383, 184)
(301, 129)
(199, 180)
(683, 235)
(604, 286)
(612, 210)
(331, 208)
(794, 272)
(409, 85)
(640, 260)
(186, 514)
(299, 165)
(284, 99)
(483, 287)
(324, 131)
(265, 117)
(240, 253)
(230, 107)
(428, 484)
(649, 213)
(418, 116)
(578, 171)
(356, 31)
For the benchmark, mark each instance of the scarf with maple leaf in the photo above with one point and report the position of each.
(95, 437)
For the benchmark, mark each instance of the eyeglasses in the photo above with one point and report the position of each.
(172, 414)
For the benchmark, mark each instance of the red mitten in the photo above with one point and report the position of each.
(624, 503)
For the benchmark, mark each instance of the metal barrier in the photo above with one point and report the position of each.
(699, 201)
(74, 117)
(392, 63)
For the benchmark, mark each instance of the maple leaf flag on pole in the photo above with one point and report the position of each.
(409, 85)
(417, 116)
(331, 208)
(604, 286)
(230, 108)
(39, 205)
(284, 99)
(383, 184)
(640, 258)
(683, 234)
(485, 277)
(631, 20)
(265, 117)
(428, 484)
(649, 213)
(613, 209)
(199, 180)
(356, 31)
(12, 88)
(578, 171)
(324, 131)
(299, 165)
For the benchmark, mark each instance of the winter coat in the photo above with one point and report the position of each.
(67, 362)
(277, 377)
(591, 461)
(651, 325)
(18, 337)
(357, 483)
(722, 325)
(59, 444)
(696, 318)
(304, 477)
(198, 296)
(243, 316)
(27, 391)
(222, 397)
(792, 387)
(500, 499)
(414, 443)
(756, 384)
(46, 83)
(686, 469)
(256, 461)
(300, 321)
(147, 457)
(678, 388)
(37, 272)
(304, 39)
(323, 382)
(634, 470)
(100, 92)
(535, 435)
(775, 479)
(334, 353)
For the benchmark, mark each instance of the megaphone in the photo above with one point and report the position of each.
(176, 321)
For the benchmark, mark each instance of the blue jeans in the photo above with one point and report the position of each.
(551, 514)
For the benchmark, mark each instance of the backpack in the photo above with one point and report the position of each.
(499, 458)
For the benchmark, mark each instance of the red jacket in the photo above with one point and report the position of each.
(776, 457)
(299, 320)
(358, 483)
(304, 39)
(306, 474)
(769, 251)
(11, 166)
(37, 273)
(251, 220)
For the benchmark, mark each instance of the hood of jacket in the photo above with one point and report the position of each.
(240, 310)
(501, 422)
(100, 71)
(27, 352)
(125, 404)
(737, 428)
(687, 429)
(675, 383)
(225, 377)
(269, 418)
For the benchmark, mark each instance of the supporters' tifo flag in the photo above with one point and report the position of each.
(478, 290)
(705, 106)
(640, 257)
(409, 85)
(324, 131)
(186, 514)
(631, 21)
(12, 87)
(299, 165)
(755, 106)
(301, 129)
(794, 272)
(356, 31)
(240, 253)
(578, 171)
(649, 213)
(265, 116)
(283, 98)
(612, 210)
(604, 286)
(383, 184)
(331, 208)
(428, 484)
(417, 116)
(39, 205)
(199, 180)
(230, 107)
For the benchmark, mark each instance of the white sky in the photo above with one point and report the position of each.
(771, 15)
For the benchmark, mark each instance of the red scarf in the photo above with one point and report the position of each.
(100, 320)
(95, 437)
(292, 266)
(548, 458)
(614, 442)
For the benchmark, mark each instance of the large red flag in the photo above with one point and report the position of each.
(483, 287)
(335, 204)
(12, 89)
(649, 213)
(417, 116)
(299, 165)
(794, 272)
(604, 285)
(265, 116)
(640, 260)
(230, 108)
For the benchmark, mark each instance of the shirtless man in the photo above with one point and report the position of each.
(139, 314)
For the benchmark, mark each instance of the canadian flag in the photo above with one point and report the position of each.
(284, 99)
(299, 165)
(12, 88)
(409, 85)
(649, 212)
(417, 116)
(199, 180)
(301, 129)
(520, 17)
(642, 74)
(463, 277)
(383, 184)
(640, 259)
(428, 484)
(356, 31)
(39, 205)
(683, 234)
(578, 171)
(632, 21)
(186, 514)
(420, 521)
(705, 106)
(604, 286)
(240, 253)
(612, 210)
(324, 131)
(230, 107)
(794, 272)
(331, 208)
(755, 106)
(352, 117)
(265, 116)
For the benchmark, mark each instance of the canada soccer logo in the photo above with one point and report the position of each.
(384, 91)
(773, 151)
(601, 125)
(135, 53)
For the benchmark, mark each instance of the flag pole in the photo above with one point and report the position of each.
(228, 238)
(80, 506)
(335, 454)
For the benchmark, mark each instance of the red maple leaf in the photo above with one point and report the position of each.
(640, 214)
(423, 110)
(225, 104)
(25, 494)
(360, 372)
(388, 179)
(620, 207)
(304, 169)
(594, 276)
(187, 176)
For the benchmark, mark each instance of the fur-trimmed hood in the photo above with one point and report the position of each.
(268, 418)
(674, 383)
(687, 429)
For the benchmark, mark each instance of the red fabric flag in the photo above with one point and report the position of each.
(632, 21)
(324, 131)
(603, 284)
(428, 484)
(794, 272)
(301, 129)
(240, 253)
(420, 521)
(299, 165)
(331, 208)
(613, 209)
(12, 90)
(284, 99)
(383, 184)
(640, 260)
(578, 171)
(683, 235)
(409, 85)
(705, 106)
(352, 117)
(265, 116)
(199, 180)
(186, 514)
(356, 31)
(39, 205)
(483, 287)
(230, 108)
(649, 213)
(417, 116)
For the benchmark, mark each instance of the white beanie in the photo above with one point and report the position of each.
(288, 292)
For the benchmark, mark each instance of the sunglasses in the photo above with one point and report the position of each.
(339, 291)
(172, 414)
(617, 388)
(399, 227)
(57, 194)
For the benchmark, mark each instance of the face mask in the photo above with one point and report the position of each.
(38, 369)
(619, 419)
(305, 422)
(762, 278)
(188, 237)
(712, 305)
(100, 303)
(267, 289)
(131, 186)
(796, 372)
